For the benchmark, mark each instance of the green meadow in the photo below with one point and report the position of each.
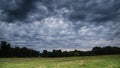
(106, 61)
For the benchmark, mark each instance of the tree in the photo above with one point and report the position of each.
(45, 53)
(7, 51)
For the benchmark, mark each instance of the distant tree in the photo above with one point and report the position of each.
(45, 53)
(76, 53)
(108, 50)
(97, 50)
(56, 53)
(7, 51)
(64, 54)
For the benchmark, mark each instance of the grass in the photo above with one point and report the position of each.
(108, 61)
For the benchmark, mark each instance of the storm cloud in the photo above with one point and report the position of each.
(65, 24)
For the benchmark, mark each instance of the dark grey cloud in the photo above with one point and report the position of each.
(16, 9)
(85, 10)
(56, 24)
(103, 10)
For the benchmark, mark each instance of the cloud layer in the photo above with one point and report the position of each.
(55, 24)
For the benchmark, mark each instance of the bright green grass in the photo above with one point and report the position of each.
(109, 61)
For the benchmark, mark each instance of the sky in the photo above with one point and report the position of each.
(60, 24)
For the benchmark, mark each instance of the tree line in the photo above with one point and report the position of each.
(7, 51)
(108, 50)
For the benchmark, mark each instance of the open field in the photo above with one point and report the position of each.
(108, 61)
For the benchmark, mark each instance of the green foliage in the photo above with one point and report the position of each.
(107, 61)
(7, 51)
